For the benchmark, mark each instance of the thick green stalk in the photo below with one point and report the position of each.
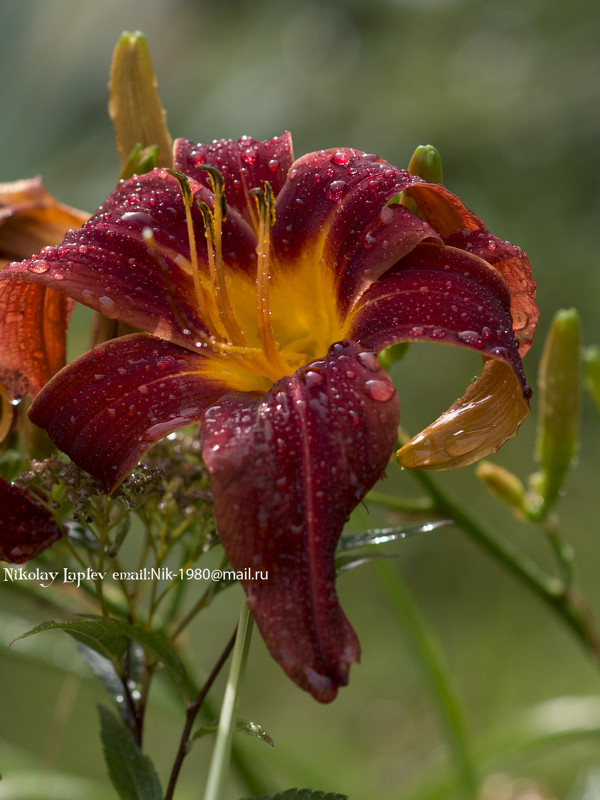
(565, 601)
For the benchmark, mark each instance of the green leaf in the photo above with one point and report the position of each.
(384, 535)
(131, 772)
(110, 637)
(241, 726)
(300, 794)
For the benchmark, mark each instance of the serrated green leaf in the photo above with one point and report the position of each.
(109, 637)
(241, 726)
(132, 773)
(300, 794)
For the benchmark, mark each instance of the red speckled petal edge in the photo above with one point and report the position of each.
(286, 470)
(108, 407)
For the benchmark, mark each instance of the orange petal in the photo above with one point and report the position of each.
(30, 218)
(488, 414)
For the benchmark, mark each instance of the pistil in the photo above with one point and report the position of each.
(266, 215)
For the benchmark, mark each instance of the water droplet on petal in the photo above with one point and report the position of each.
(273, 165)
(111, 413)
(39, 266)
(340, 158)
(335, 190)
(313, 378)
(107, 306)
(380, 391)
(369, 361)
(470, 337)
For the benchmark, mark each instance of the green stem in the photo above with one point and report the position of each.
(412, 505)
(222, 749)
(553, 591)
(427, 651)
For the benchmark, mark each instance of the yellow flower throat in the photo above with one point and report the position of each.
(264, 328)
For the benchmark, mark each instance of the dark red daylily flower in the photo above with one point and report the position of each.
(266, 287)
(27, 528)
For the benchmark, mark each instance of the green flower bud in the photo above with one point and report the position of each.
(134, 106)
(426, 163)
(504, 484)
(591, 361)
(559, 386)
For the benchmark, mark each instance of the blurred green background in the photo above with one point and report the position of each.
(509, 92)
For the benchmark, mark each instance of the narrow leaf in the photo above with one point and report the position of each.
(131, 772)
(384, 535)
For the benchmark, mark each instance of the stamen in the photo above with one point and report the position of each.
(187, 197)
(265, 202)
(7, 413)
(213, 225)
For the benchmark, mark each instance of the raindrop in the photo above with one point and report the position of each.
(470, 337)
(340, 158)
(273, 165)
(369, 361)
(39, 266)
(107, 306)
(111, 413)
(381, 391)
(335, 190)
(312, 378)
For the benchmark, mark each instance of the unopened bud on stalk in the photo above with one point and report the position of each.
(559, 386)
(138, 117)
(504, 484)
(426, 163)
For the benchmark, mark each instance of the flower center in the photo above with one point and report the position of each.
(251, 344)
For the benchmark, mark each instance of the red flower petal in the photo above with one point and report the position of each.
(515, 268)
(108, 407)
(333, 213)
(444, 294)
(107, 265)
(286, 470)
(245, 164)
(439, 293)
(26, 528)
(33, 322)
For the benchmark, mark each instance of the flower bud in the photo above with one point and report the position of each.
(138, 117)
(559, 382)
(591, 361)
(504, 484)
(426, 162)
